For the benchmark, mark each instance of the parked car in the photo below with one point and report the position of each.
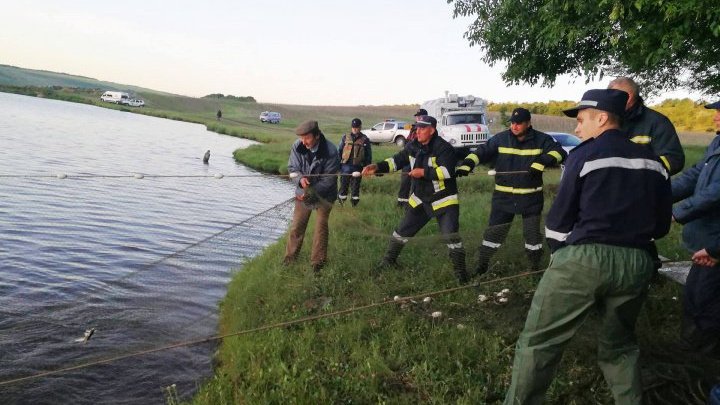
(270, 116)
(135, 102)
(567, 141)
(117, 97)
(389, 131)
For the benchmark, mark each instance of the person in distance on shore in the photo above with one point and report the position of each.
(313, 165)
(434, 193)
(528, 151)
(355, 153)
(612, 202)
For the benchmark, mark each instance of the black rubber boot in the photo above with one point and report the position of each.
(535, 259)
(457, 257)
(485, 253)
(391, 255)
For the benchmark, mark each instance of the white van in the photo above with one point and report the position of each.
(270, 116)
(117, 97)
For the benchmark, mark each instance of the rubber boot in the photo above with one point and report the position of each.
(391, 255)
(485, 253)
(457, 257)
(535, 259)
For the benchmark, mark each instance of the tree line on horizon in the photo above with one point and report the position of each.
(231, 97)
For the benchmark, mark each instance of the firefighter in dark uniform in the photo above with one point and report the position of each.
(404, 192)
(355, 153)
(528, 152)
(434, 193)
(614, 199)
(648, 127)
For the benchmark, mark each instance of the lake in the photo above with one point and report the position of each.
(142, 261)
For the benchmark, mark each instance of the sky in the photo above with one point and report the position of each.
(314, 52)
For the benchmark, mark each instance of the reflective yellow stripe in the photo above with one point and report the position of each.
(445, 202)
(521, 152)
(391, 164)
(641, 139)
(537, 166)
(666, 162)
(556, 155)
(414, 201)
(440, 174)
(474, 158)
(514, 190)
(440, 183)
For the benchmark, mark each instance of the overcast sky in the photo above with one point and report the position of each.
(316, 52)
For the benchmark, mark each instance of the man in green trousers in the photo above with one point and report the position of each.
(614, 199)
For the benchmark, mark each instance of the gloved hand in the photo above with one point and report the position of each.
(462, 171)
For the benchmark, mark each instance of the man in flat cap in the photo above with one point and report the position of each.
(355, 153)
(434, 194)
(404, 192)
(313, 166)
(698, 192)
(524, 152)
(614, 199)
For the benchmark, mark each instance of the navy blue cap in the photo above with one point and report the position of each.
(520, 115)
(420, 112)
(610, 100)
(426, 121)
(356, 123)
(713, 106)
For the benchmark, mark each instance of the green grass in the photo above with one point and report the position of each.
(399, 353)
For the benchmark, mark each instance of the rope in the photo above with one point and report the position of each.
(261, 329)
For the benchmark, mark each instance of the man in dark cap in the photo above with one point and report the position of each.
(613, 201)
(434, 193)
(313, 166)
(698, 192)
(646, 126)
(404, 191)
(355, 153)
(524, 152)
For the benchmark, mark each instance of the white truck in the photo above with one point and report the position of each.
(117, 97)
(462, 120)
(389, 131)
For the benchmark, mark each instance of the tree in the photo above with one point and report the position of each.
(662, 44)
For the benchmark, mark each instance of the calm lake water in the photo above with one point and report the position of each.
(143, 261)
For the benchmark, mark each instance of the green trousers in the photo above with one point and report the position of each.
(580, 279)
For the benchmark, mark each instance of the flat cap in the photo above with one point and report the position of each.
(309, 126)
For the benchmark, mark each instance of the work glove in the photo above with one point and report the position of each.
(462, 171)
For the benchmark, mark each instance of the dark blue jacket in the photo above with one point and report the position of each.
(698, 190)
(324, 161)
(613, 192)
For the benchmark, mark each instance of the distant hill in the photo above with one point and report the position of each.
(20, 77)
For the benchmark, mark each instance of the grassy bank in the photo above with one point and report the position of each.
(399, 353)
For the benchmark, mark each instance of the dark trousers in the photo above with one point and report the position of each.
(497, 231)
(353, 183)
(701, 300)
(416, 218)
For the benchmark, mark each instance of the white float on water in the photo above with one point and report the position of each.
(294, 175)
(139, 176)
(61, 176)
(219, 176)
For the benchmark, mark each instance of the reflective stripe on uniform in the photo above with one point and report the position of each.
(474, 158)
(458, 245)
(533, 247)
(514, 190)
(556, 155)
(623, 163)
(391, 164)
(439, 184)
(559, 236)
(402, 199)
(641, 139)
(521, 152)
(491, 244)
(399, 238)
(412, 162)
(414, 201)
(666, 162)
(445, 202)
(538, 166)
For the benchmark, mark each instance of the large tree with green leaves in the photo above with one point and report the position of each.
(664, 44)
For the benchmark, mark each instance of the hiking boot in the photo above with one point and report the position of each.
(481, 268)
(317, 267)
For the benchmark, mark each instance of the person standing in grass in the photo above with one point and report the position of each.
(524, 153)
(313, 165)
(613, 200)
(355, 153)
(404, 192)
(698, 192)
(434, 193)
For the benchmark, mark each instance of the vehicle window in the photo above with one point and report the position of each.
(389, 125)
(378, 127)
(567, 140)
(465, 119)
